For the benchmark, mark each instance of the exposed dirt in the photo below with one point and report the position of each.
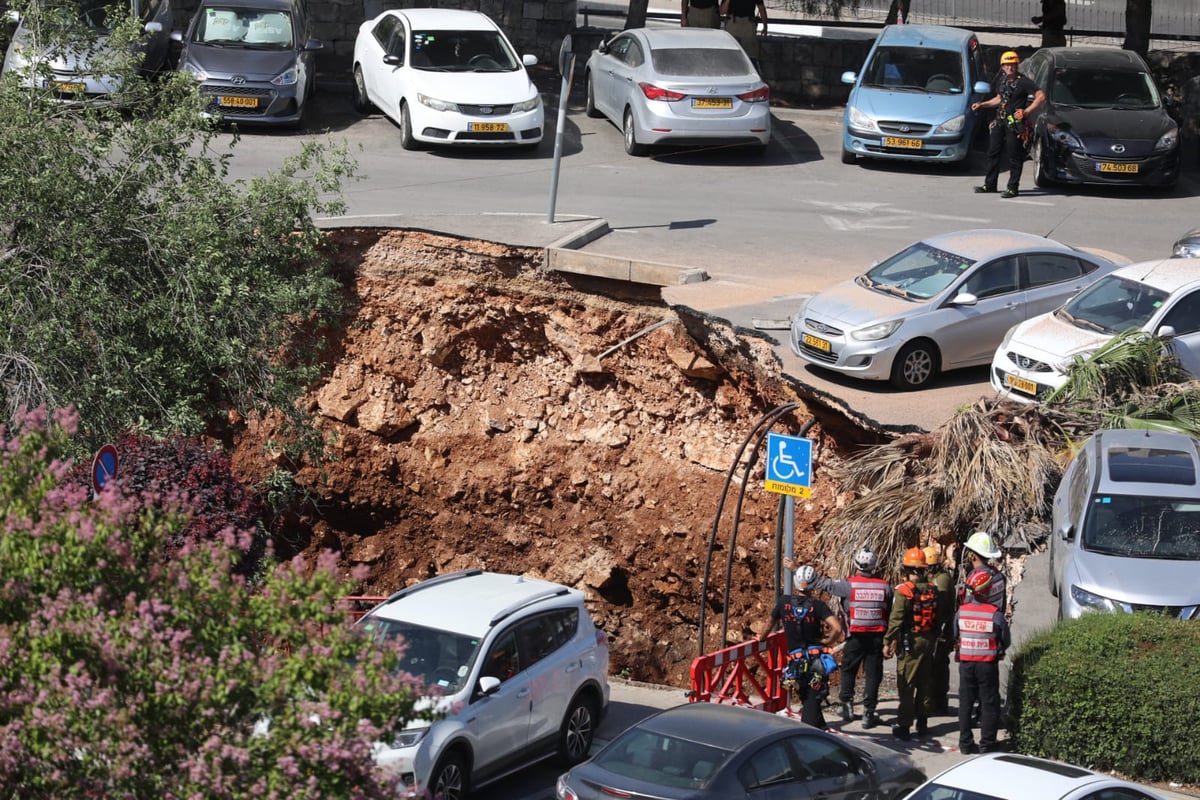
(483, 413)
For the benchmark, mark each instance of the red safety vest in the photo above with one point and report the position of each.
(977, 639)
(867, 604)
(924, 605)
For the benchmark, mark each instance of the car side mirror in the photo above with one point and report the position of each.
(488, 684)
(176, 36)
(602, 47)
(964, 299)
(393, 60)
(12, 16)
(529, 60)
(314, 44)
(1066, 532)
(152, 27)
(1166, 332)
(849, 77)
(982, 87)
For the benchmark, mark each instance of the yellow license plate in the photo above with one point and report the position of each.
(712, 102)
(1020, 384)
(488, 127)
(819, 344)
(905, 144)
(237, 102)
(68, 88)
(1105, 166)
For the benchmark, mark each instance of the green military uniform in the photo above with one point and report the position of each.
(912, 630)
(940, 692)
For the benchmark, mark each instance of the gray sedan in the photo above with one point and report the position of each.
(678, 86)
(708, 750)
(939, 304)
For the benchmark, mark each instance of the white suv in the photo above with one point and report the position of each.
(516, 665)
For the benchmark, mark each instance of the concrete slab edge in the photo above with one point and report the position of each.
(619, 268)
(578, 238)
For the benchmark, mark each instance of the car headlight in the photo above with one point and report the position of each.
(409, 737)
(1168, 140)
(287, 78)
(876, 332)
(1092, 602)
(435, 104)
(528, 105)
(860, 120)
(952, 125)
(1008, 337)
(1062, 135)
(197, 73)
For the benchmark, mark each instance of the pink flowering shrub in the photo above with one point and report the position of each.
(127, 675)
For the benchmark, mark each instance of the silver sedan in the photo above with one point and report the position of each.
(939, 304)
(685, 86)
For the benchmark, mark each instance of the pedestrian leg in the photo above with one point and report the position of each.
(966, 698)
(989, 704)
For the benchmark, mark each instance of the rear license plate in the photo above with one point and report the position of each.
(488, 127)
(1105, 166)
(230, 101)
(817, 344)
(1020, 384)
(905, 144)
(712, 102)
(68, 88)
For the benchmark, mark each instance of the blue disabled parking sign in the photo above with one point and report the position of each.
(789, 465)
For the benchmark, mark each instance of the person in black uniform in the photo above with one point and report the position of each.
(1007, 131)
(1053, 22)
(699, 14)
(807, 623)
(742, 24)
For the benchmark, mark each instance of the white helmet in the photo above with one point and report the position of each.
(866, 560)
(981, 543)
(805, 575)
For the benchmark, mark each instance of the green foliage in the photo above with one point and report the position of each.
(143, 285)
(123, 676)
(1112, 692)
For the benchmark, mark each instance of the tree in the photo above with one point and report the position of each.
(141, 284)
(129, 675)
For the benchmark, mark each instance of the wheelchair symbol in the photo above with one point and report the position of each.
(784, 459)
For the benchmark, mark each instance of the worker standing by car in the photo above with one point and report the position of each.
(982, 637)
(699, 14)
(1007, 132)
(741, 21)
(809, 627)
(943, 584)
(911, 631)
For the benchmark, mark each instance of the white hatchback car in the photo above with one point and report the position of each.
(446, 77)
(1008, 776)
(516, 667)
(1160, 297)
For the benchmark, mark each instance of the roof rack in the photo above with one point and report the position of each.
(440, 579)
(528, 601)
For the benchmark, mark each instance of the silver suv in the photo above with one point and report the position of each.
(1126, 526)
(516, 666)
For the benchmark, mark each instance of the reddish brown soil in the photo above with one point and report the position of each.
(483, 413)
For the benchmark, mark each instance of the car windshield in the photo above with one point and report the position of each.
(440, 659)
(665, 760)
(707, 62)
(1092, 88)
(1113, 304)
(462, 51)
(1143, 527)
(918, 272)
(919, 69)
(245, 27)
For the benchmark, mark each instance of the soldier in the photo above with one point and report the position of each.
(911, 632)
(943, 584)
(982, 637)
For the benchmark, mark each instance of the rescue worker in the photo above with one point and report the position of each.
(943, 584)
(982, 638)
(808, 625)
(979, 549)
(911, 632)
(866, 601)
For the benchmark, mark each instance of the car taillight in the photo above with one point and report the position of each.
(653, 92)
(601, 637)
(760, 95)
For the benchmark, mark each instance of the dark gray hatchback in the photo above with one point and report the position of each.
(254, 59)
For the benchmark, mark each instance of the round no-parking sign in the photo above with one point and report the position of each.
(104, 467)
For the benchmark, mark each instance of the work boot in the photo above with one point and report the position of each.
(900, 733)
(969, 749)
(985, 189)
(922, 726)
(1009, 193)
(870, 719)
(847, 711)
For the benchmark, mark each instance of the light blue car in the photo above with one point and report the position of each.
(912, 100)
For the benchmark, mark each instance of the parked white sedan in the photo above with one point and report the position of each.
(678, 86)
(1008, 776)
(446, 77)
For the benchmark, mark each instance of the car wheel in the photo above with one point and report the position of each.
(915, 366)
(1041, 176)
(632, 147)
(407, 141)
(448, 781)
(848, 157)
(577, 732)
(362, 104)
(591, 109)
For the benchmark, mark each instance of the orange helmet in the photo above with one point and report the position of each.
(914, 557)
(978, 582)
(933, 556)
(1010, 57)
